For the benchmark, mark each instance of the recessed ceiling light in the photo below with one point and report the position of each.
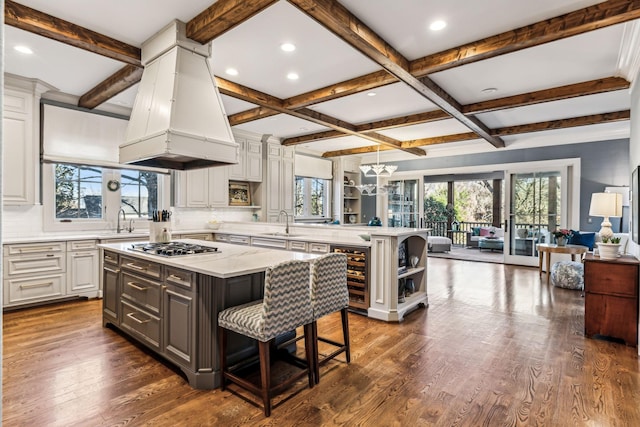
(490, 90)
(23, 49)
(371, 94)
(231, 71)
(288, 47)
(437, 25)
(293, 76)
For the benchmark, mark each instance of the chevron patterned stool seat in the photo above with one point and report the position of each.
(329, 293)
(286, 306)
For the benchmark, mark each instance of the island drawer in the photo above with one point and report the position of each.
(111, 258)
(141, 324)
(295, 245)
(143, 292)
(140, 266)
(319, 248)
(266, 242)
(178, 277)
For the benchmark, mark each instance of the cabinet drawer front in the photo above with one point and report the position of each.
(111, 258)
(615, 279)
(35, 264)
(80, 245)
(297, 246)
(141, 324)
(182, 278)
(197, 236)
(239, 240)
(35, 289)
(32, 248)
(318, 248)
(269, 243)
(141, 291)
(221, 237)
(140, 266)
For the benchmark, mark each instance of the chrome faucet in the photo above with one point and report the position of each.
(286, 229)
(124, 218)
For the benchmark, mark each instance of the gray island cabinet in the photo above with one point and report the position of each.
(171, 304)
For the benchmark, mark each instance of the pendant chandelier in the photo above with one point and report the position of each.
(378, 170)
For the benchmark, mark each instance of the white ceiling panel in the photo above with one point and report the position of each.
(573, 60)
(566, 108)
(394, 100)
(281, 126)
(253, 49)
(405, 24)
(426, 130)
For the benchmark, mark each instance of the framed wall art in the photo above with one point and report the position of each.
(239, 194)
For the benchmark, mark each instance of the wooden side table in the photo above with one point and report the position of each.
(611, 298)
(555, 249)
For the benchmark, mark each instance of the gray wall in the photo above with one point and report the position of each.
(603, 164)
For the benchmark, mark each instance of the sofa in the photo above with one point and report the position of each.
(477, 233)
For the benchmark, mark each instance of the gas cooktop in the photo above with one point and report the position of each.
(172, 249)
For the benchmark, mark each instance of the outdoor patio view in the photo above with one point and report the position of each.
(457, 209)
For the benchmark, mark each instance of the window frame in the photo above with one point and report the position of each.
(307, 190)
(108, 222)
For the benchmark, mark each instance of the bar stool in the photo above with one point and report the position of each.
(329, 293)
(285, 307)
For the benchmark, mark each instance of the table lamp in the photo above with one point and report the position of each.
(606, 205)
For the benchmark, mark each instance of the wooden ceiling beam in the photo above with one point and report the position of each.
(592, 87)
(238, 91)
(222, 16)
(251, 115)
(113, 85)
(570, 24)
(565, 123)
(337, 19)
(48, 26)
(592, 119)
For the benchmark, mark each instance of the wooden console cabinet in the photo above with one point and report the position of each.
(611, 298)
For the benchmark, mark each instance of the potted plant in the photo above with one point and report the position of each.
(562, 236)
(609, 247)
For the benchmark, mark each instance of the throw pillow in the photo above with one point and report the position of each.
(587, 239)
(475, 231)
(484, 231)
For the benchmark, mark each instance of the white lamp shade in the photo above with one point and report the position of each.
(606, 204)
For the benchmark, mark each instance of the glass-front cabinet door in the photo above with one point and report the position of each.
(402, 204)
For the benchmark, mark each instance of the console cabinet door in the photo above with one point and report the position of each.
(111, 292)
(180, 317)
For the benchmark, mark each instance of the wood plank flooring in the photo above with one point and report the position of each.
(496, 347)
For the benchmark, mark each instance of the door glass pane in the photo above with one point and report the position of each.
(535, 210)
(403, 204)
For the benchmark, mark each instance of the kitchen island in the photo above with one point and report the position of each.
(170, 304)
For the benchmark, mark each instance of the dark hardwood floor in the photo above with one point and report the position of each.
(496, 347)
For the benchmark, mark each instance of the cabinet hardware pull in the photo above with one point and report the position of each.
(50, 255)
(174, 277)
(38, 249)
(111, 270)
(137, 267)
(134, 286)
(36, 285)
(134, 318)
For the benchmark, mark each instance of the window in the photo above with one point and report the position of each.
(312, 197)
(139, 193)
(84, 197)
(78, 191)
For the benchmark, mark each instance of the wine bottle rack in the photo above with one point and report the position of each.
(357, 276)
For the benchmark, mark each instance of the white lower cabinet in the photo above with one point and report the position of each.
(46, 271)
(83, 275)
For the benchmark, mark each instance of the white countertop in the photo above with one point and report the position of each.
(231, 260)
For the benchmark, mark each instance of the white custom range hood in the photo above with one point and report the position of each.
(178, 120)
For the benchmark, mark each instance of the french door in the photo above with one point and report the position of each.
(536, 204)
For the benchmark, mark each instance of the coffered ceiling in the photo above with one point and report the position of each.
(502, 74)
